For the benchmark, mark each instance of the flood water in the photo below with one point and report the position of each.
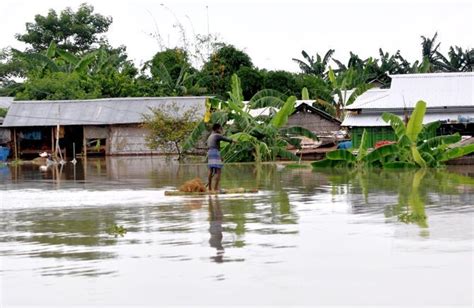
(103, 233)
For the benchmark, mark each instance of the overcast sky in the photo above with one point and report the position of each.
(271, 32)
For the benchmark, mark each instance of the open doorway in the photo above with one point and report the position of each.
(72, 141)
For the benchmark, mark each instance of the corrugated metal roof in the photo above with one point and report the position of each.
(267, 110)
(95, 112)
(438, 90)
(367, 120)
(5, 101)
(373, 98)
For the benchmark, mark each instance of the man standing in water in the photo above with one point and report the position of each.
(214, 161)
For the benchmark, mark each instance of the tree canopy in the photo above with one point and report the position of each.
(72, 31)
(68, 57)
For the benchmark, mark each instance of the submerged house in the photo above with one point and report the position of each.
(110, 126)
(5, 135)
(319, 122)
(448, 97)
(305, 115)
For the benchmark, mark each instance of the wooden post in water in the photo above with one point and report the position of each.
(14, 144)
(52, 140)
(84, 143)
(84, 156)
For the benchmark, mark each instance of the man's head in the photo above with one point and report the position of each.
(216, 128)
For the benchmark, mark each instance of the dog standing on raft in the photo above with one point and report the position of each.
(214, 161)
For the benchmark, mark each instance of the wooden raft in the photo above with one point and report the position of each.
(222, 192)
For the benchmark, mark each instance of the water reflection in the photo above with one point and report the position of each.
(215, 228)
(401, 193)
(301, 226)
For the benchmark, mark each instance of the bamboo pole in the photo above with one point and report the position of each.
(84, 142)
(227, 191)
(84, 156)
(52, 140)
(14, 144)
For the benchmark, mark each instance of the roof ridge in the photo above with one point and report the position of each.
(434, 75)
(67, 101)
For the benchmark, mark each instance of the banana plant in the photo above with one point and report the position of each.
(414, 148)
(259, 139)
(56, 60)
(342, 84)
(347, 159)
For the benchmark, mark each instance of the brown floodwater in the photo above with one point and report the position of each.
(103, 233)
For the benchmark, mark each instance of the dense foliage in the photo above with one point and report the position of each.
(261, 138)
(68, 57)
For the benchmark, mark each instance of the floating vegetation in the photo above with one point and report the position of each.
(117, 230)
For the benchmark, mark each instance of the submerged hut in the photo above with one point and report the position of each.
(110, 126)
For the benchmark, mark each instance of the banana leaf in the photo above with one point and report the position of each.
(363, 146)
(38, 58)
(281, 117)
(332, 77)
(296, 142)
(396, 123)
(67, 56)
(430, 160)
(164, 75)
(267, 98)
(236, 91)
(457, 152)
(343, 155)
(417, 156)
(305, 94)
(194, 137)
(404, 142)
(380, 153)
(429, 130)
(298, 131)
(437, 141)
(83, 65)
(282, 153)
(220, 117)
(415, 124)
(51, 51)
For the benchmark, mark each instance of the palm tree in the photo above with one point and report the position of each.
(429, 51)
(354, 61)
(315, 66)
(459, 60)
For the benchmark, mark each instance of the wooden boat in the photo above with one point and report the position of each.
(221, 192)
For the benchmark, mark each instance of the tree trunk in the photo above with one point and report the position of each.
(176, 144)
